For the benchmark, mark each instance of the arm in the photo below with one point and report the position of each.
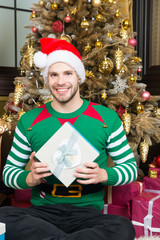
(125, 169)
(14, 174)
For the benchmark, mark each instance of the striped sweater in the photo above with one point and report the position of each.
(100, 125)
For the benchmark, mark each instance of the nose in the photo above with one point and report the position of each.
(61, 80)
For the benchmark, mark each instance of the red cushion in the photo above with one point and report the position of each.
(22, 195)
(21, 198)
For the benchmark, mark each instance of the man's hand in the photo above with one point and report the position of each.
(39, 170)
(91, 173)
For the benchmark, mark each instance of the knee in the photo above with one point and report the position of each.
(8, 210)
(128, 229)
(5, 210)
(120, 227)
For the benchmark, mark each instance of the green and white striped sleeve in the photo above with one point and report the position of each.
(14, 173)
(125, 169)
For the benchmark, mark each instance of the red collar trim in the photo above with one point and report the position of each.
(43, 115)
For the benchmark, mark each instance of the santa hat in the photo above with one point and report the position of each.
(57, 50)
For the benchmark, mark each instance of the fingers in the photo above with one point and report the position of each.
(85, 182)
(39, 170)
(91, 165)
(32, 156)
(90, 174)
(40, 166)
(89, 168)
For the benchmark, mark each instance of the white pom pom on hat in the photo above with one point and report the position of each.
(40, 59)
(57, 50)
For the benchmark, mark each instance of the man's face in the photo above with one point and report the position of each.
(63, 82)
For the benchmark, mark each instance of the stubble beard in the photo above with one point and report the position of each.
(64, 99)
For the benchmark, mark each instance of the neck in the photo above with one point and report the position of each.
(68, 107)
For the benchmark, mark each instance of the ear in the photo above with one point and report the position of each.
(79, 81)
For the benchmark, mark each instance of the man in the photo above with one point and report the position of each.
(74, 212)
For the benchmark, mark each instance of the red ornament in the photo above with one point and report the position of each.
(120, 110)
(34, 29)
(132, 42)
(11, 107)
(34, 11)
(139, 70)
(157, 161)
(67, 19)
(146, 95)
(57, 26)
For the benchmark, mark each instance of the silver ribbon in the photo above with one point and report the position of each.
(148, 219)
(64, 153)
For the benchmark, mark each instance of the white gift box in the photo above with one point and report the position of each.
(2, 231)
(66, 150)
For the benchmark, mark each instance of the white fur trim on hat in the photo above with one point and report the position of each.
(62, 56)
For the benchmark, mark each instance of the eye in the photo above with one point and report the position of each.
(53, 74)
(68, 73)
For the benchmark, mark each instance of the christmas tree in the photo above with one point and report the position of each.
(107, 46)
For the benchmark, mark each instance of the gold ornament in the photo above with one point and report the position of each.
(66, 1)
(124, 34)
(9, 118)
(109, 1)
(104, 94)
(109, 35)
(98, 44)
(54, 6)
(118, 60)
(139, 108)
(4, 126)
(89, 74)
(99, 17)
(48, 99)
(33, 15)
(117, 14)
(126, 24)
(105, 66)
(144, 149)
(20, 113)
(96, 3)
(87, 48)
(38, 104)
(152, 174)
(4, 116)
(41, 3)
(124, 69)
(156, 112)
(66, 38)
(136, 60)
(74, 11)
(18, 92)
(132, 79)
(126, 120)
(84, 24)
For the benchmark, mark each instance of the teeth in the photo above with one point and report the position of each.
(62, 90)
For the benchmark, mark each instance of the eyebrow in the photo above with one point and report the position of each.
(66, 71)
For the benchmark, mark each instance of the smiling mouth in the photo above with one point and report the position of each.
(62, 90)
